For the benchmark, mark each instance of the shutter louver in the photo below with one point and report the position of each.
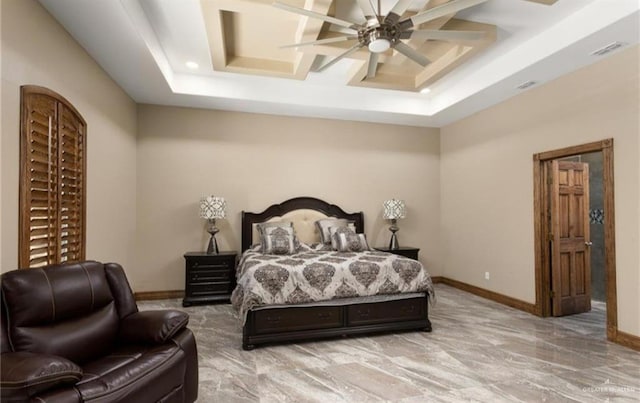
(71, 190)
(52, 196)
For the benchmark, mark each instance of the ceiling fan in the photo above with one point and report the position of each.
(381, 33)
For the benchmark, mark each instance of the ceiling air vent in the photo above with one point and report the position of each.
(526, 85)
(609, 48)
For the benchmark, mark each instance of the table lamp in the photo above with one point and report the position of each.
(211, 208)
(393, 210)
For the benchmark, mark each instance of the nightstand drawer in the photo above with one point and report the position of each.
(219, 264)
(206, 276)
(211, 288)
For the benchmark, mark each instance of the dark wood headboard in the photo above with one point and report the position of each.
(298, 203)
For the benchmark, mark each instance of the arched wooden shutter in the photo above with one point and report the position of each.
(52, 179)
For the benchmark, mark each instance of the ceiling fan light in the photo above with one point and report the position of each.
(379, 45)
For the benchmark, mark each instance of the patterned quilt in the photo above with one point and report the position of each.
(315, 275)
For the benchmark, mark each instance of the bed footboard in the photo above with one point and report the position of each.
(296, 323)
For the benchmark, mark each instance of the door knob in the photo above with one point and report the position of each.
(588, 243)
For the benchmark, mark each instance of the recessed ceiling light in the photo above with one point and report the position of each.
(192, 65)
(425, 90)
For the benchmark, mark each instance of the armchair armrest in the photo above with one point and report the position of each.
(26, 374)
(152, 326)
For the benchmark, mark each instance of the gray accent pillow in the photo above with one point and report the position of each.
(279, 241)
(346, 240)
(350, 228)
(265, 228)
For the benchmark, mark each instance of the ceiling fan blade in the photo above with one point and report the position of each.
(373, 65)
(451, 7)
(397, 11)
(322, 41)
(353, 49)
(444, 35)
(367, 9)
(411, 53)
(312, 14)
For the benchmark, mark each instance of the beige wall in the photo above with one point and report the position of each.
(486, 177)
(257, 160)
(37, 50)
(480, 173)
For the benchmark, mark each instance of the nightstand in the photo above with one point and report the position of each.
(411, 253)
(209, 278)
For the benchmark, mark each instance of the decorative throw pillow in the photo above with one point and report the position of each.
(278, 241)
(349, 229)
(266, 228)
(346, 240)
(324, 224)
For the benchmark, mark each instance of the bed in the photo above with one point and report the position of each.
(348, 315)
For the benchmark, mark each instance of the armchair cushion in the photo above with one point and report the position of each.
(152, 326)
(25, 374)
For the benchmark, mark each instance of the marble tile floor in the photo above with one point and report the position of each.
(479, 351)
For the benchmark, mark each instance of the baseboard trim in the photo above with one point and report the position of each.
(493, 296)
(627, 340)
(153, 295)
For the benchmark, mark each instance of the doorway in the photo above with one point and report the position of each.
(548, 233)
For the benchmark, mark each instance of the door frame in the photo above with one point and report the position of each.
(541, 228)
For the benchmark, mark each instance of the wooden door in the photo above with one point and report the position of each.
(570, 241)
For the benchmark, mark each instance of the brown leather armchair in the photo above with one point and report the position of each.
(73, 333)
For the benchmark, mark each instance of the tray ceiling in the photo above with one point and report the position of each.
(145, 46)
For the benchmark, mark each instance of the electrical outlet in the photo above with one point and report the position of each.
(487, 276)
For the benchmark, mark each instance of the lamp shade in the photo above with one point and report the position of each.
(212, 207)
(394, 209)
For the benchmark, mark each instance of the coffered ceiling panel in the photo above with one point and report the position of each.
(244, 37)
